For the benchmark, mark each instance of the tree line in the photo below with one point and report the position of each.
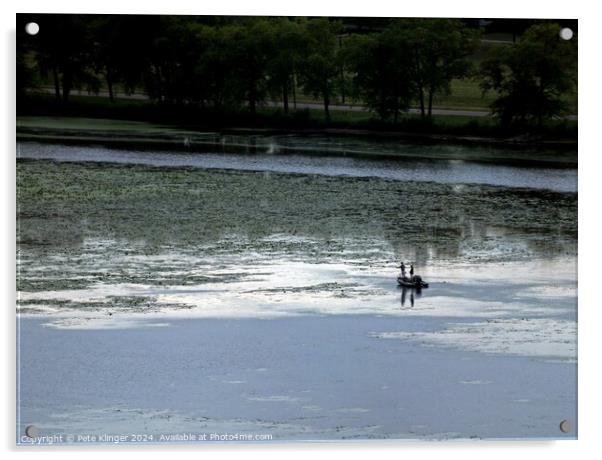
(232, 63)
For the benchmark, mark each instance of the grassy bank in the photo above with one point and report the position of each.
(195, 118)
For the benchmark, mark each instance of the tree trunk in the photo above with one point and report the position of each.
(110, 86)
(342, 86)
(66, 86)
(342, 73)
(252, 99)
(430, 113)
(57, 85)
(326, 106)
(294, 91)
(285, 96)
(421, 93)
(540, 104)
(158, 84)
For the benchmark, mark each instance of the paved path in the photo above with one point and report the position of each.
(300, 105)
(361, 108)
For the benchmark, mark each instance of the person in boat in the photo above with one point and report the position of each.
(403, 270)
(412, 272)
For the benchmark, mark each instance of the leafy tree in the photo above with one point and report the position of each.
(228, 62)
(320, 67)
(440, 49)
(62, 52)
(26, 78)
(218, 84)
(287, 51)
(26, 73)
(532, 77)
(187, 85)
(165, 55)
(120, 48)
(379, 64)
(252, 50)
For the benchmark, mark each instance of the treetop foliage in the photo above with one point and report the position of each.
(226, 63)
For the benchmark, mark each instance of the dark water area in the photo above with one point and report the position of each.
(72, 200)
(405, 162)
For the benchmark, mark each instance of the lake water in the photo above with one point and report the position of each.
(112, 241)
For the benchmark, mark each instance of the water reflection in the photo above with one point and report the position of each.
(360, 220)
(272, 157)
(409, 294)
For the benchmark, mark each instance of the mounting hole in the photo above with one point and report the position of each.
(566, 33)
(32, 28)
(565, 426)
(32, 431)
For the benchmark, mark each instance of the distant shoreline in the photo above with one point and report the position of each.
(461, 130)
(519, 141)
(145, 136)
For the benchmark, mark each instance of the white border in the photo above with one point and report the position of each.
(589, 215)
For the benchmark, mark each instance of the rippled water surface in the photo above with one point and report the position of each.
(449, 169)
(227, 234)
(117, 239)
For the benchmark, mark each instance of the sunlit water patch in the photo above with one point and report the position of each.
(254, 285)
(536, 337)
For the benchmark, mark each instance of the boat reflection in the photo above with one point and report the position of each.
(412, 294)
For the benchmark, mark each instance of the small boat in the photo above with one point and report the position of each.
(414, 282)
